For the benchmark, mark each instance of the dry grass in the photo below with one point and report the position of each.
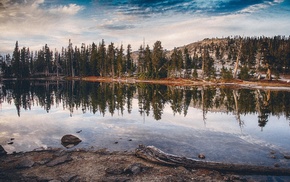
(189, 82)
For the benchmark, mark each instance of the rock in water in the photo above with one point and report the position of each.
(79, 131)
(2, 151)
(201, 156)
(69, 141)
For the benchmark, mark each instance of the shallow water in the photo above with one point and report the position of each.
(217, 133)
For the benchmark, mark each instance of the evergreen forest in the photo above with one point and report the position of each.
(226, 58)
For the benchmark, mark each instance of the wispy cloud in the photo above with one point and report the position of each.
(70, 9)
(259, 6)
(152, 7)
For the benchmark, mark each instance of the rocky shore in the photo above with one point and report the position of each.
(101, 165)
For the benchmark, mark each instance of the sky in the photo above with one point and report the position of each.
(34, 23)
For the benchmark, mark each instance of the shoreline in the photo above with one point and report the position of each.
(236, 83)
(103, 165)
(274, 84)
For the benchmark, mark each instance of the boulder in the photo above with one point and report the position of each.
(69, 141)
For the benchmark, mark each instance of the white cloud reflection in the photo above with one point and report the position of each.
(219, 134)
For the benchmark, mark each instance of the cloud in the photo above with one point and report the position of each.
(117, 26)
(32, 22)
(150, 8)
(259, 6)
(174, 22)
(70, 9)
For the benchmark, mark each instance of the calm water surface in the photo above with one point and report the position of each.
(242, 126)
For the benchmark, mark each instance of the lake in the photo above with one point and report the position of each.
(225, 124)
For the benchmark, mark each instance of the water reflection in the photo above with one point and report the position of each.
(115, 98)
(224, 123)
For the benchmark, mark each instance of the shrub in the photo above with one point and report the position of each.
(244, 73)
(226, 74)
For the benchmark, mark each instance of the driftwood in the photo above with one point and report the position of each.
(155, 155)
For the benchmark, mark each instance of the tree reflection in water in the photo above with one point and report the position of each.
(116, 97)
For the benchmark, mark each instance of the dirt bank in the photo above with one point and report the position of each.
(196, 82)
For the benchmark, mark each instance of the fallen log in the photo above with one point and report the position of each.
(155, 155)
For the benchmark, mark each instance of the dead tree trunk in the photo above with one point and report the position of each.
(238, 61)
(238, 117)
(155, 155)
(269, 73)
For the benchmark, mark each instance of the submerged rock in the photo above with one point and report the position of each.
(69, 141)
(79, 131)
(2, 151)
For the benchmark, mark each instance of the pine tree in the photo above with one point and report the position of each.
(188, 63)
(24, 64)
(148, 71)
(140, 61)
(47, 57)
(129, 62)
(16, 61)
(94, 71)
(207, 64)
(102, 59)
(69, 60)
(111, 58)
(84, 60)
(158, 61)
(267, 59)
(120, 61)
(180, 62)
(173, 63)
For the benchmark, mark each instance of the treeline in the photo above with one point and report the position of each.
(239, 58)
(115, 98)
(89, 60)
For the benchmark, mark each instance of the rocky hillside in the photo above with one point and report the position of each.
(219, 50)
